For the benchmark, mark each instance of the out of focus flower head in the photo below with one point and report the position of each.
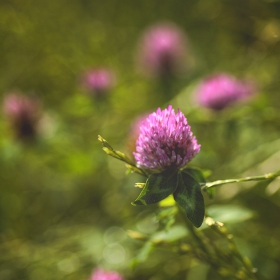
(162, 50)
(165, 141)
(98, 82)
(222, 90)
(100, 274)
(23, 113)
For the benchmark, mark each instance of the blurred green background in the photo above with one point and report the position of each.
(64, 205)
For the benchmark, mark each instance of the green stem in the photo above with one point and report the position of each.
(108, 149)
(195, 234)
(269, 176)
(234, 250)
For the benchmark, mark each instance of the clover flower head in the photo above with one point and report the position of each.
(23, 113)
(100, 274)
(221, 90)
(165, 141)
(162, 49)
(98, 81)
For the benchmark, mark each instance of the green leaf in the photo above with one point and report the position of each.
(189, 197)
(196, 173)
(158, 187)
(229, 213)
(143, 254)
(210, 192)
(166, 236)
(175, 233)
(199, 176)
(166, 217)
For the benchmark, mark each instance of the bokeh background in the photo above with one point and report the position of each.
(65, 206)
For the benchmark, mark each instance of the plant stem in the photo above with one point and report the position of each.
(269, 176)
(195, 234)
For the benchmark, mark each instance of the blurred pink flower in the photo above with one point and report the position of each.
(221, 90)
(100, 274)
(23, 113)
(162, 49)
(98, 81)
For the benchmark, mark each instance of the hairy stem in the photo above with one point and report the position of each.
(269, 176)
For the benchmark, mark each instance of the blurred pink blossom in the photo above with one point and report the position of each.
(162, 49)
(98, 81)
(23, 113)
(221, 90)
(100, 274)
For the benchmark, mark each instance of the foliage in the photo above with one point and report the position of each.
(66, 208)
